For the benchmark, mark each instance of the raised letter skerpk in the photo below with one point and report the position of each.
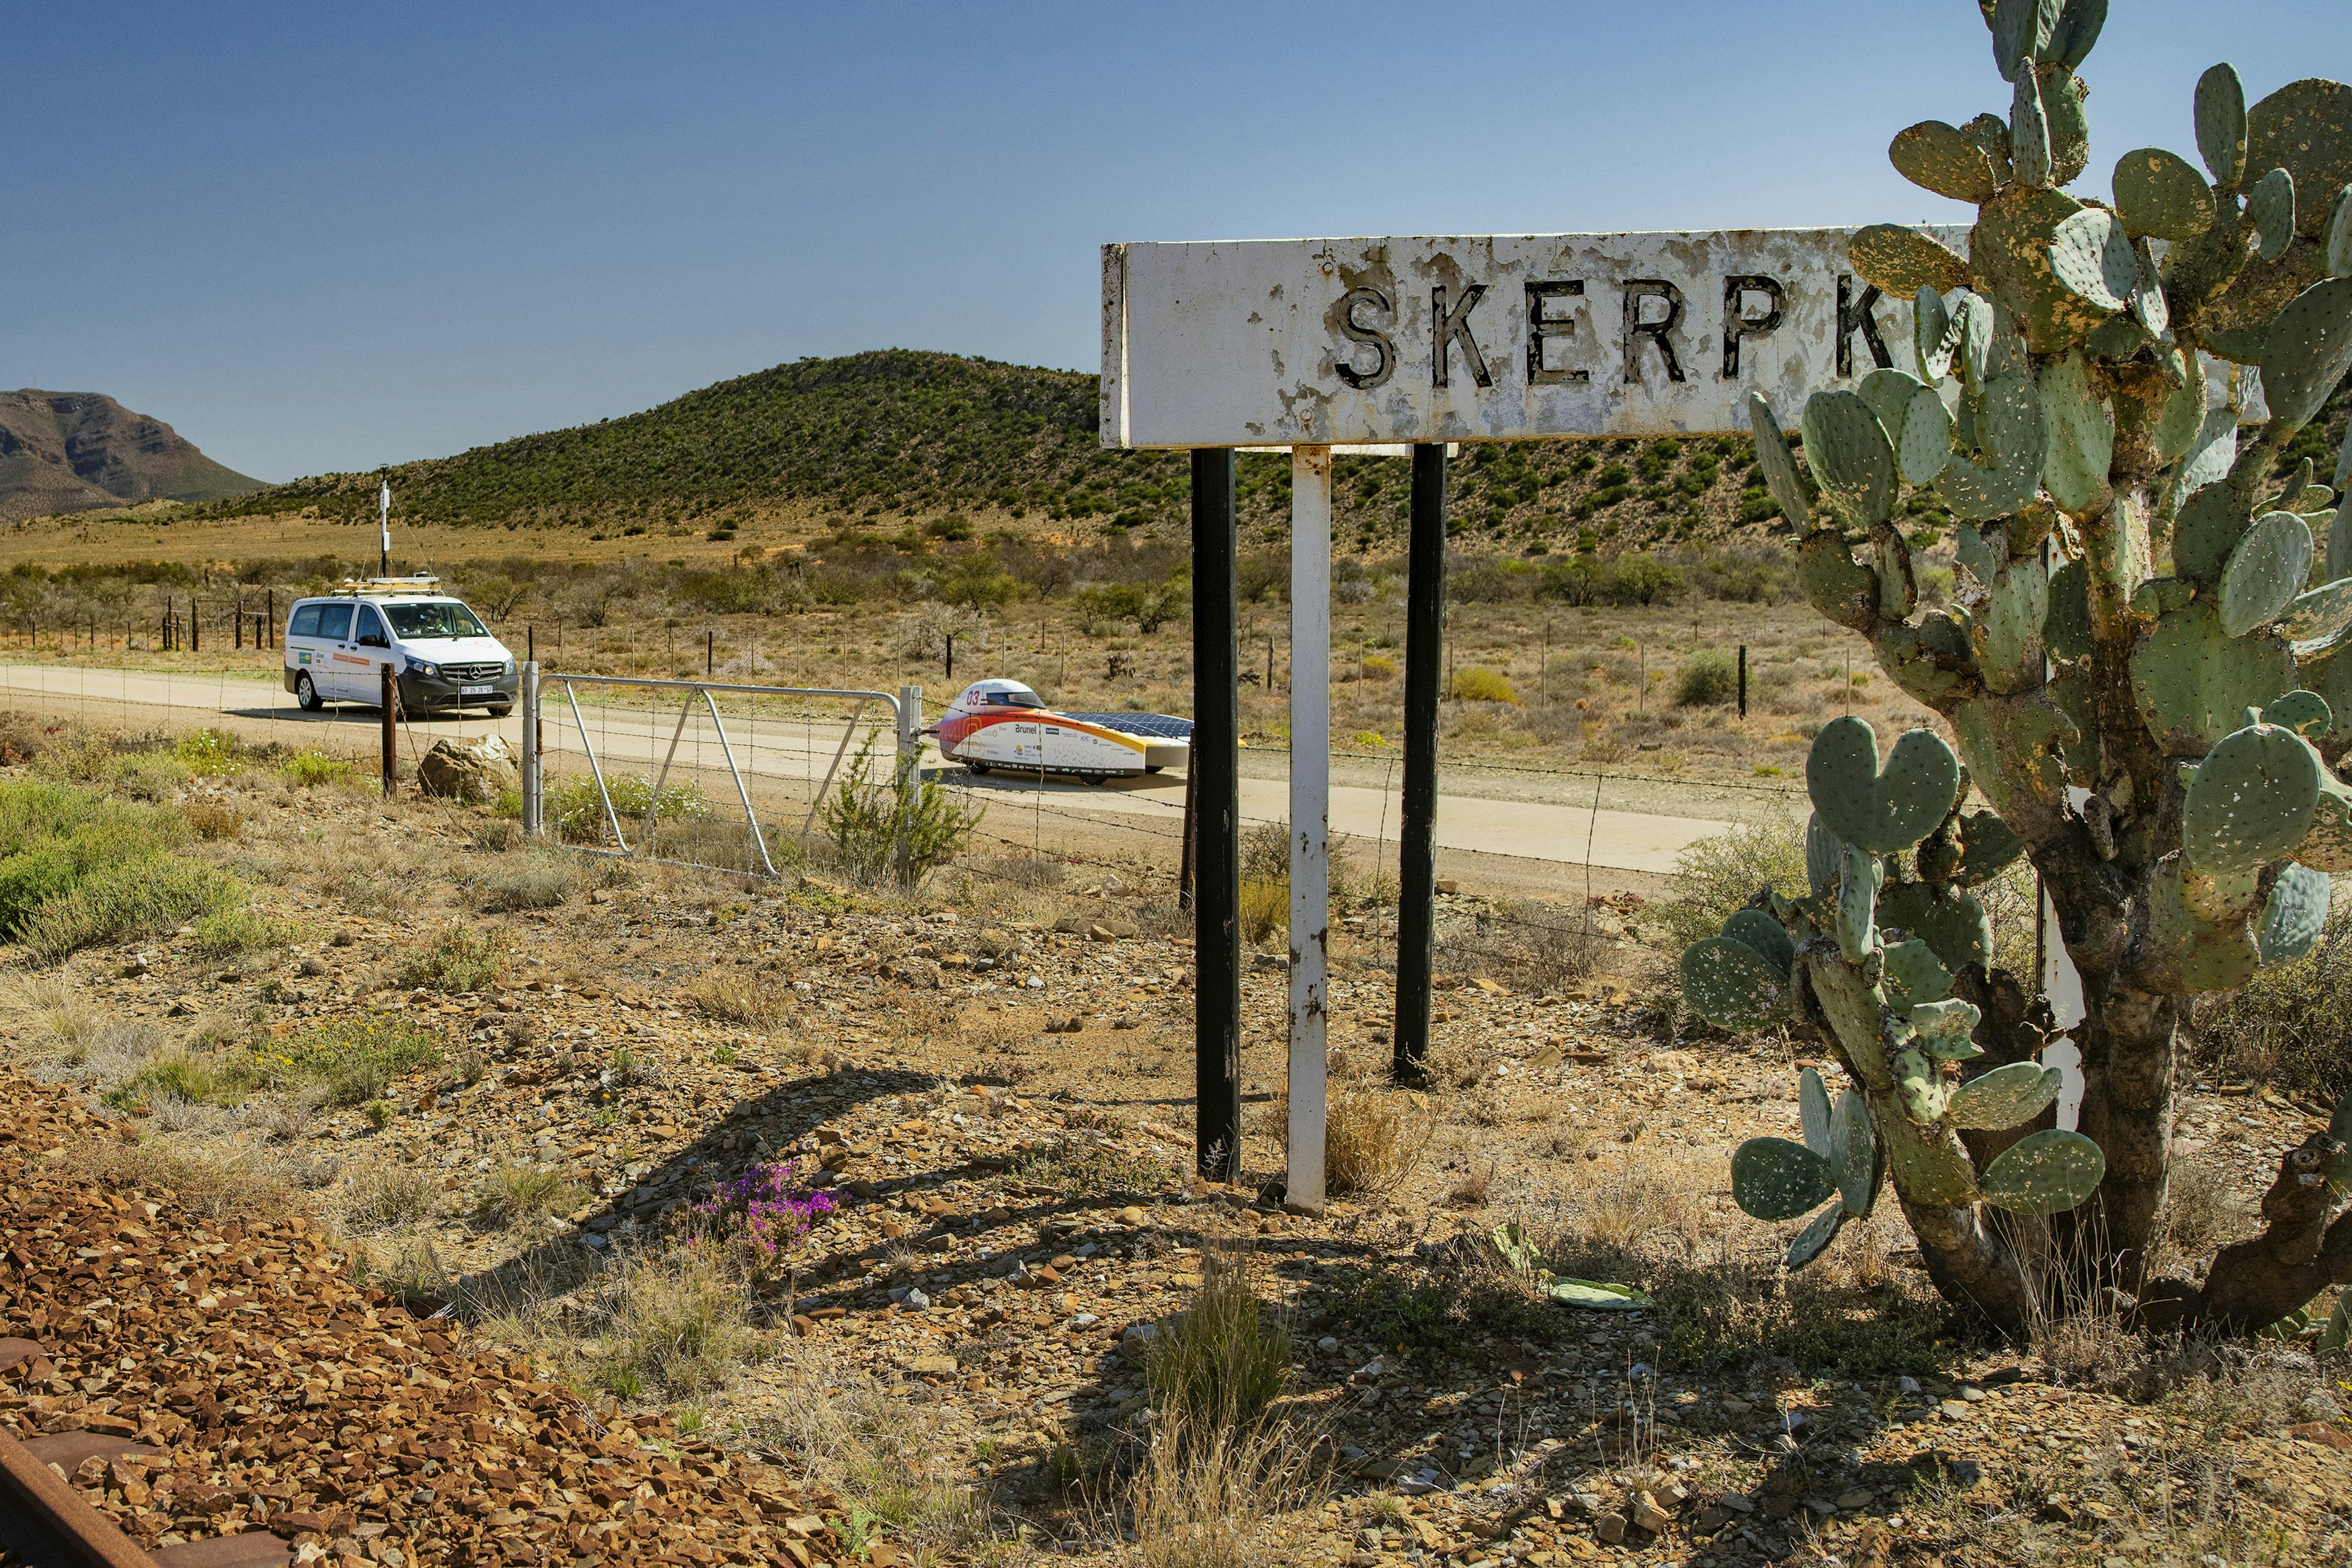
(1355, 332)
(1736, 323)
(1542, 327)
(1452, 327)
(1855, 315)
(1636, 291)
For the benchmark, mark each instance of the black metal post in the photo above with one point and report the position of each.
(1743, 681)
(709, 654)
(1424, 661)
(950, 675)
(1215, 766)
(390, 698)
(530, 644)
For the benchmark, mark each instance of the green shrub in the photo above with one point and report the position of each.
(208, 752)
(2290, 1026)
(1222, 1363)
(29, 880)
(225, 934)
(312, 769)
(541, 882)
(1708, 679)
(577, 812)
(128, 902)
(179, 1078)
(1477, 684)
(511, 1194)
(904, 828)
(1716, 875)
(460, 959)
(345, 1061)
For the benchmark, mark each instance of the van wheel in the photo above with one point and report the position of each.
(501, 709)
(1092, 778)
(306, 694)
(979, 769)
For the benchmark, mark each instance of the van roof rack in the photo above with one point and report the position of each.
(415, 583)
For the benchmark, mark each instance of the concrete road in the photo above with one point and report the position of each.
(796, 750)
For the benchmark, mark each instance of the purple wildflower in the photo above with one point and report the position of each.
(770, 1204)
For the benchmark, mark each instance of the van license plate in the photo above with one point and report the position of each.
(476, 690)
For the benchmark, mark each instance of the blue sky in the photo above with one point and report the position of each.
(321, 237)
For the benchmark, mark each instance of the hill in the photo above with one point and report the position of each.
(935, 439)
(78, 451)
(956, 446)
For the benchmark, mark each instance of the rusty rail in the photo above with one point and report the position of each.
(45, 1522)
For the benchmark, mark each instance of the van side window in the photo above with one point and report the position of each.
(334, 622)
(305, 622)
(371, 630)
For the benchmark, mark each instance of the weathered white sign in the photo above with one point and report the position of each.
(1483, 337)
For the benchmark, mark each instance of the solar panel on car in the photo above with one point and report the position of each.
(1158, 726)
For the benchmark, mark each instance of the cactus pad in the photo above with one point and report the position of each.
(1935, 334)
(1881, 811)
(2188, 954)
(1854, 1154)
(2092, 256)
(2308, 350)
(2029, 132)
(1814, 1111)
(1732, 985)
(2079, 436)
(2295, 914)
(1849, 455)
(1823, 855)
(1815, 1238)
(2006, 1097)
(2159, 193)
(1987, 847)
(2183, 414)
(2045, 1173)
(2251, 800)
(2271, 208)
(1952, 922)
(2304, 127)
(1789, 487)
(1914, 974)
(1773, 1179)
(1929, 1172)
(1860, 877)
(2329, 846)
(1947, 1029)
(2193, 681)
(2305, 713)
(2266, 571)
(2221, 124)
(1765, 934)
(2066, 629)
(1901, 261)
(1920, 1086)
(2210, 524)
(1944, 159)
(2337, 244)
(2314, 621)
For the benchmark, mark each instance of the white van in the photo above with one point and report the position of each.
(440, 653)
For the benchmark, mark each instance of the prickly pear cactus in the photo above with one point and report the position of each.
(2146, 683)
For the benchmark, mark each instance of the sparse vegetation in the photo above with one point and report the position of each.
(462, 958)
(514, 1194)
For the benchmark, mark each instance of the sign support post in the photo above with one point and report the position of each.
(1310, 817)
(1424, 659)
(1216, 763)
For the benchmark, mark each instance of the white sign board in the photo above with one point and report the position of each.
(1483, 338)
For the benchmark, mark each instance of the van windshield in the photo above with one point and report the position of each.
(446, 618)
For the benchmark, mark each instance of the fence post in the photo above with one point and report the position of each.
(950, 675)
(1216, 762)
(709, 654)
(906, 774)
(273, 617)
(530, 763)
(196, 625)
(1743, 681)
(1310, 818)
(391, 700)
(1424, 661)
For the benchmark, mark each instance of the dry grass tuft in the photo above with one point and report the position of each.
(1223, 1361)
(513, 1194)
(674, 1321)
(1372, 1140)
(1203, 1497)
(728, 996)
(379, 1195)
(255, 1185)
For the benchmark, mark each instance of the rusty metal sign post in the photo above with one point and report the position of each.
(1314, 344)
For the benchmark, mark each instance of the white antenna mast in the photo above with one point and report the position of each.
(383, 522)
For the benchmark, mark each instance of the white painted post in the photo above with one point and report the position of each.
(1310, 813)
